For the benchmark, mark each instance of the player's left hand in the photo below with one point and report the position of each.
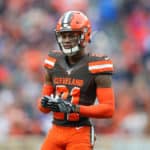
(60, 105)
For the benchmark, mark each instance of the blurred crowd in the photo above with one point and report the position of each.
(121, 29)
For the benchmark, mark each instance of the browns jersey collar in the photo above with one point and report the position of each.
(69, 69)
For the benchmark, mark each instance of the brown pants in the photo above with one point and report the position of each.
(68, 138)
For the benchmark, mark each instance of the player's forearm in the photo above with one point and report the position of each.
(97, 111)
(104, 109)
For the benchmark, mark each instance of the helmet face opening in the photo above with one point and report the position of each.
(78, 27)
(69, 42)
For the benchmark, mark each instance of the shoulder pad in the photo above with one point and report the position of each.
(50, 60)
(100, 64)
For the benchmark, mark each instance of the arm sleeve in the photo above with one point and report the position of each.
(47, 90)
(104, 109)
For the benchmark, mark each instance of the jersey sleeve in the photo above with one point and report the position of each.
(50, 61)
(101, 65)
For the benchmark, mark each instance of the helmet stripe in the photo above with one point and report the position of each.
(67, 18)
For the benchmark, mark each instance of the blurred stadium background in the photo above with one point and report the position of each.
(121, 29)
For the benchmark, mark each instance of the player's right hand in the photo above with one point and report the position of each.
(50, 102)
(44, 101)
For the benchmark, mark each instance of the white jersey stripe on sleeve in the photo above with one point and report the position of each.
(51, 63)
(101, 66)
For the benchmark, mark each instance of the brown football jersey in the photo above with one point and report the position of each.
(76, 83)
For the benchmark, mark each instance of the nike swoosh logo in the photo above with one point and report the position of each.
(78, 128)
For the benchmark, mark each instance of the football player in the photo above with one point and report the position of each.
(74, 79)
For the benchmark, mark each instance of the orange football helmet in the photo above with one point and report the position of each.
(74, 21)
